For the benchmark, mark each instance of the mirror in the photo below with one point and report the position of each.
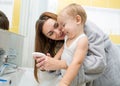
(11, 43)
(11, 8)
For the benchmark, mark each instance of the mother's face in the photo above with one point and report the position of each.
(52, 30)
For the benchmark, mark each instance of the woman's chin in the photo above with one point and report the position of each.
(62, 38)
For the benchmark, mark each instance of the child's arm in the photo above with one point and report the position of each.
(78, 58)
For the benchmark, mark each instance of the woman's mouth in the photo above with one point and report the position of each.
(62, 34)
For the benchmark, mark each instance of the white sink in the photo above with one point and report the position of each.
(23, 77)
(12, 79)
(27, 78)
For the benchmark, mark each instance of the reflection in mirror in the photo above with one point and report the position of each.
(7, 7)
(4, 22)
(2, 52)
(12, 10)
(12, 44)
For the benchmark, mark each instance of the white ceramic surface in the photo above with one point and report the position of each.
(22, 77)
(27, 78)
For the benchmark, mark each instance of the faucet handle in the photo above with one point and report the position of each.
(2, 52)
(5, 58)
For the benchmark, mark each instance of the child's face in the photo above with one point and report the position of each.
(68, 24)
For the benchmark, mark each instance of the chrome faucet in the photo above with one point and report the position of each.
(6, 66)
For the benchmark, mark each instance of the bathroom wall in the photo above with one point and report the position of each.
(13, 45)
(30, 12)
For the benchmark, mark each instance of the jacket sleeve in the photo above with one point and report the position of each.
(95, 61)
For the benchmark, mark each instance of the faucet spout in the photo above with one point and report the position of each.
(2, 68)
(6, 66)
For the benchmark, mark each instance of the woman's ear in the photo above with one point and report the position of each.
(78, 19)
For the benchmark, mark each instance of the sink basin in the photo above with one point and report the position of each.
(22, 77)
(11, 79)
(27, 78)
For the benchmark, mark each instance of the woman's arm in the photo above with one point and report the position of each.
(74, 67)
(54, 64)
(49, 63)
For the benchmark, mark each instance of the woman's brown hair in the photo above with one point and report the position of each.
(42, 43)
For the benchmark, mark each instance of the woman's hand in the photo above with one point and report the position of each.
(40, 62)
(48, 63)
(45, 62)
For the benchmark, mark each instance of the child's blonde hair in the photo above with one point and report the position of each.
(76, 9)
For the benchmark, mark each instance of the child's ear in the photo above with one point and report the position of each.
(78, 19)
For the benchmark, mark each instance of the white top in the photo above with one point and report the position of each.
(67, 55)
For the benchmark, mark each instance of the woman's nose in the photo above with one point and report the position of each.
(57, 31)
(61, 28)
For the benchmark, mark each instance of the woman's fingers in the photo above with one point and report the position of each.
(49, 63)
(40, 63)
(38, 60)
(45, 63)
(42, 68)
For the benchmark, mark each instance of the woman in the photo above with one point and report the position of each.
(100, 67)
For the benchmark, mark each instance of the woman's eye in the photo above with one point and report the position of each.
(51, 33)
(63, 25)
(56, 25)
